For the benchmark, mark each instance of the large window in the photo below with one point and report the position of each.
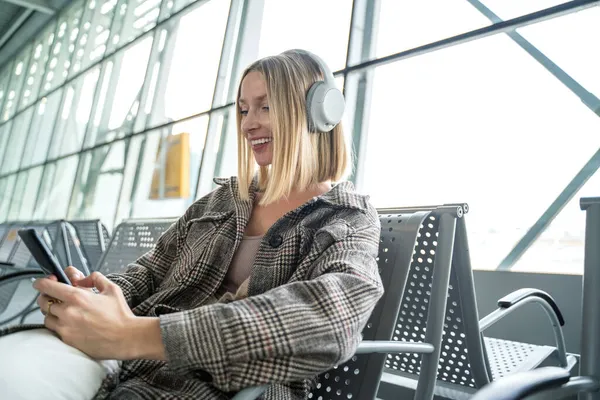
(98, 181)
(405, 25)
(16, 77)
(40, 131)
(122, 108)
(163, 158)
(74, 115)
(55, 189)
(16, 142)
(312, 21)
(456, 131)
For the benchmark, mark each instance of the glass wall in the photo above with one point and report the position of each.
(441, 108)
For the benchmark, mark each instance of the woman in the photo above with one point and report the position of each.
(269, 279)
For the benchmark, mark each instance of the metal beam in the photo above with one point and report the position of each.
(588, 98)
(224, 88)
(17, 23)
(34, 5)
(557, 205)
(358, 87)
(515, 23)
(503, 27)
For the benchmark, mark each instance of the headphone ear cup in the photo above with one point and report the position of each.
(311, 103)
(324, 107)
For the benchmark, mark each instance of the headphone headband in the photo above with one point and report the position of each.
(327, 74)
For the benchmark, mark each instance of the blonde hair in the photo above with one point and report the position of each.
(300, 158)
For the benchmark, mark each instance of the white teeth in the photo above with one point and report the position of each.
(260, 141)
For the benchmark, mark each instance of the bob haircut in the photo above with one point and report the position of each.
(300, 158)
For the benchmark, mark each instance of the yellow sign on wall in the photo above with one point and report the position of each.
(171, 177)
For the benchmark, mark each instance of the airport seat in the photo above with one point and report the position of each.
(131, 239)
(19, 258)
(90, 237)
(4, 227)
(550, 382)
(9, 241)
(439, 309)
(469, 360)
(359, 377)
(81, 244)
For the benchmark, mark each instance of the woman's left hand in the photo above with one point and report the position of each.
(99, 324)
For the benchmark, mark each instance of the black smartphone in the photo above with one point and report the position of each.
(42, 254)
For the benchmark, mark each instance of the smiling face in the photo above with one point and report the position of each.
(272, 131)
(255, 121)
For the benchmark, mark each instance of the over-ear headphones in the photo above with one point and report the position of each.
(324, 101)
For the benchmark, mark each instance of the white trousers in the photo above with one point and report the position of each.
(35, 365)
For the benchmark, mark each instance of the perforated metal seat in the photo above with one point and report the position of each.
(9, 240)
(131, 239)
(90, 239)
(508, 357)
(21, 258)
(467, 360)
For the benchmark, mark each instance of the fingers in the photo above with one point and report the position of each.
(57, 306)
(57, 310)
(97, 280)
(54, 289)
(74, 274)
(42, 302)
(87, 282)
(51, 322)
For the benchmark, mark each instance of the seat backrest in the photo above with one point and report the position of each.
(11, 238)
(22, 258)
(4, 227)
(462, 361)
(131, 239)
(358, 378)
(90, 238)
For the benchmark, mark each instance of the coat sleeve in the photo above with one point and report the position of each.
(289, 333)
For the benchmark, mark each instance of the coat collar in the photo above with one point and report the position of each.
(341, 195)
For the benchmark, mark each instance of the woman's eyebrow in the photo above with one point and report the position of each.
(256, 100)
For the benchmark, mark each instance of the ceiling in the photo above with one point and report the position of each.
(20, 20)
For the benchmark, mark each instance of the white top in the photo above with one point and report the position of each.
(241, 264)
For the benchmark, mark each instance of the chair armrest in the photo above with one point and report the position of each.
(518, 386)
(518, 299)
(21, 274)
(365, 347)
(383, 346)
(250, 393)
(519, 295)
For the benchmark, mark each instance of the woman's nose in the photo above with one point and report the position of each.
(250, 122)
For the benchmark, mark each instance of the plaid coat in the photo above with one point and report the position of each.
(312, 288)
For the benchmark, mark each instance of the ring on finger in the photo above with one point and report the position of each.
(49, 307)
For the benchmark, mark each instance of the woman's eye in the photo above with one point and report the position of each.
(244, 112)
(266, 108)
